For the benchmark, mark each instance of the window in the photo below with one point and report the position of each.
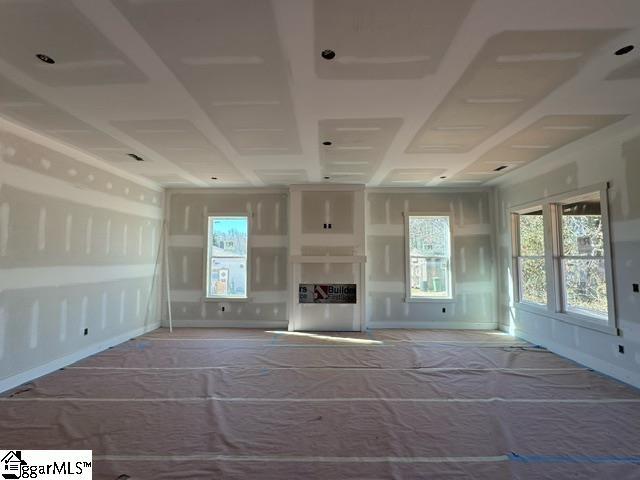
(530, 257)
(567, 275)
(428, 243)
(226, 271)
(582, 257)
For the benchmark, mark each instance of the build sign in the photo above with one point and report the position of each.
(327, 293)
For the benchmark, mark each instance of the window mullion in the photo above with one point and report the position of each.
(554, 260)
(550, 225)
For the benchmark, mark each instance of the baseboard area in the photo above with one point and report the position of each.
(597, 364)
(29, 375)
(435, 325)
(226, 324)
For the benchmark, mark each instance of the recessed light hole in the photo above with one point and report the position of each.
(327, 143)
(501, 167)
(327, 178)
(137, 158)
(45, 58)
(328, 54)
(214, 178)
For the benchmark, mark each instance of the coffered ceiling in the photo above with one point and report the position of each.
(236, 93)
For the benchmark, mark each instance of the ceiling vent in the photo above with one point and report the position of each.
(624, 50)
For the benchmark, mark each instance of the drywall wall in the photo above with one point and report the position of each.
(616, 161)
(79, 247)
(474, 303)
(266, 306)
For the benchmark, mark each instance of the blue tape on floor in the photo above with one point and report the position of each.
(515, 457)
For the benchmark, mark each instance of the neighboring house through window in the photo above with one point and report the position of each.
(227, 258)
(428, 247)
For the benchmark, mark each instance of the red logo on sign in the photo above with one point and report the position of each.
(321, 292)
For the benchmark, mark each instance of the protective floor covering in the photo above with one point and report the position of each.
(254, 404)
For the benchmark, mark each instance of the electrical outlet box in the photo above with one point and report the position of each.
(86, 331)
(636, 288)
(620, 348)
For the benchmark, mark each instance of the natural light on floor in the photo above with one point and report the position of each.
(327, 337)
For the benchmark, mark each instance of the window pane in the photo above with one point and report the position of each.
(429, 236)
(531, 233)
(533, 284)
(582, 227)
(430, 277)
(228, 236)
(228, 277)
(227, 253)
(585, 286)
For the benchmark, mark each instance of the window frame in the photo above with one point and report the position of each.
(207, 264)
(516, 256)
(407, 264)
(556, 307)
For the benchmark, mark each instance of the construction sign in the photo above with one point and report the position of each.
(327, 293)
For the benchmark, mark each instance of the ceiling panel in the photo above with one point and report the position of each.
(83, 56)
(381, 39)
(180, 142)
(18, 104)
(626, 72)
(229, 59)
(357, 148)
(411, 177)
(538, 139)
(512, 72)
(282, 177)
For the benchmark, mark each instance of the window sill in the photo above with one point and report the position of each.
(225, 300)
(429, 300)
(583, 321)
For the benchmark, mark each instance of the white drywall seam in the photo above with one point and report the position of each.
(37, 277)
(37, 183)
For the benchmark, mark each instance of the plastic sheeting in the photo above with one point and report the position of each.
(275, 405)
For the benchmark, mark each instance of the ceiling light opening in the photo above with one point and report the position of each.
(214, 178)
(45, 58)
(137, 158)
(501, 167)
(327, 178)
(327, 143)
(624, 50)
(328, 54)
(443, 177)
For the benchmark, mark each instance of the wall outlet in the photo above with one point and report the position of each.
(86, 331)
(636, 288)
(222, 308)
(444, 309)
